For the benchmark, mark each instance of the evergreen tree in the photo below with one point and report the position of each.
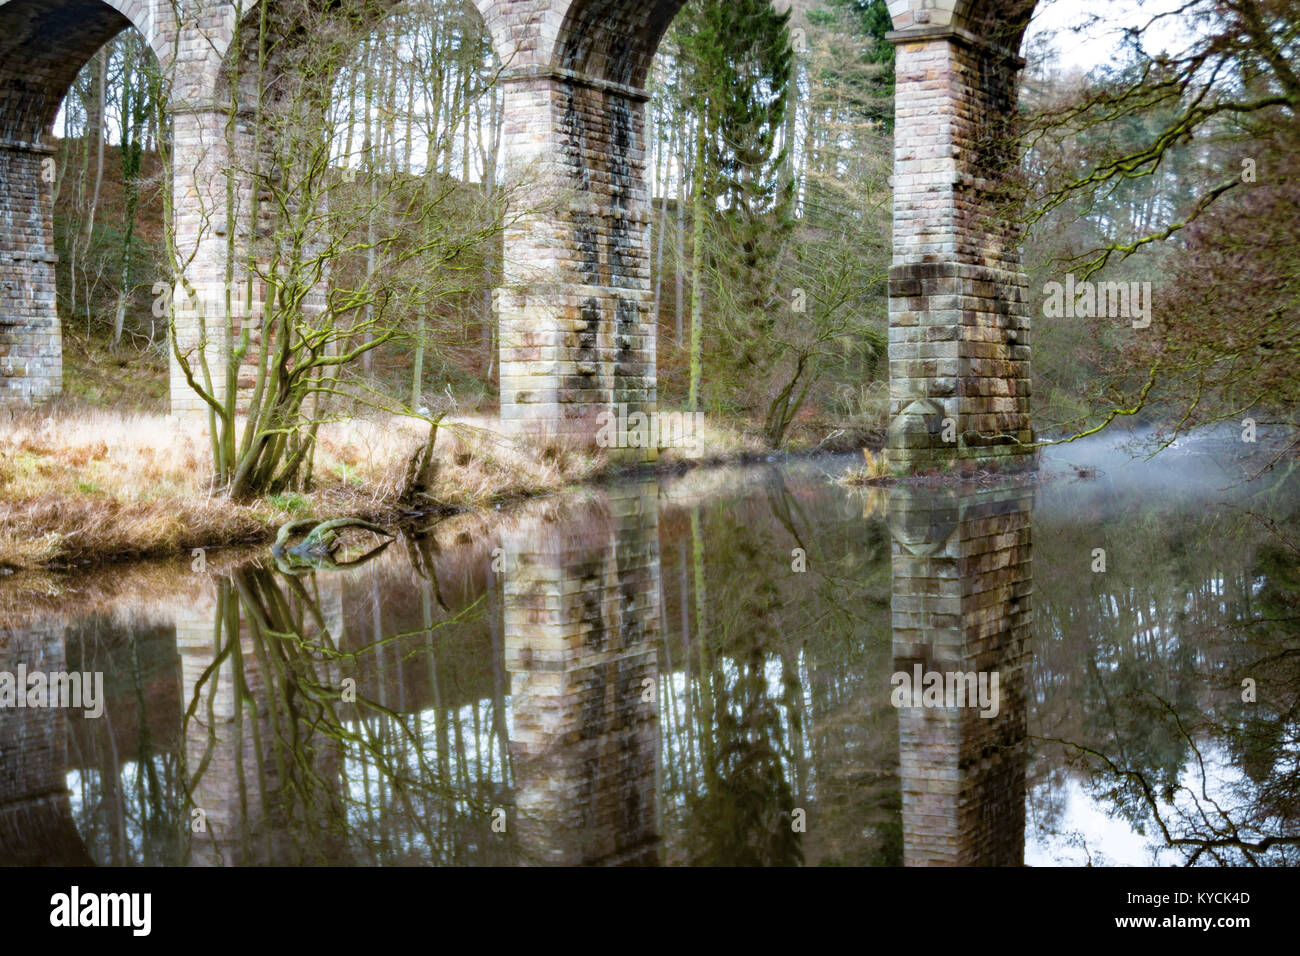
(738, 81)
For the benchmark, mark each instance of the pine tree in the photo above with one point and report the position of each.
(737, 86)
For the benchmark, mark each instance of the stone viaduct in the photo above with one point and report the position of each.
(575, 75)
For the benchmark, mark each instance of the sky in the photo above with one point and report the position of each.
(1101, 43)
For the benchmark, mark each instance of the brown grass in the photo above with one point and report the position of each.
(874, 469)
(83, 486)
(460, 545)
(80, 486)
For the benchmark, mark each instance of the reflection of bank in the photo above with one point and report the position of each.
(580, 611)
(961, 602)
(248, 703)
(582, 629)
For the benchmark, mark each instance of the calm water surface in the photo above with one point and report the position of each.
(699, 670)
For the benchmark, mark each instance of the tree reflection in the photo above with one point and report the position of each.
(648, 678)
(1143, 683)
(306, 762)
(743, 815)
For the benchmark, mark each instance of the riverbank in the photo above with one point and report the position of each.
(81, 487)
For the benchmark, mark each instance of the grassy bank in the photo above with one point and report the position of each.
(85, 486)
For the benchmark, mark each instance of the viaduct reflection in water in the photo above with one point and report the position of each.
(517, 697)
(36, 824)
(582, 634)
(962, 590)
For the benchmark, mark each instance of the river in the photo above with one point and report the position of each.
(745, 665)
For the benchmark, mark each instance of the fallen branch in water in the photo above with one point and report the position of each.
(317, 548)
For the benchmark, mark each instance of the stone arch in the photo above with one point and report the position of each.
(222, 151)
(613, 40)
(1004, 20)
(498, 14)
(43, 45)
(576, 331)
(219, 63)
(578, 334)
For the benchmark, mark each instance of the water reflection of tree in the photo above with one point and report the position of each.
(777, 668)
(1264, 736)
(347, 781)
(840, 615)
(1138, 679)
(743, 812)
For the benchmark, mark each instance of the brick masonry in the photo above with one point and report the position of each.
(959, 323)
(577, 333)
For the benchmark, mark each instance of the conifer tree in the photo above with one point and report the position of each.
(738, 81)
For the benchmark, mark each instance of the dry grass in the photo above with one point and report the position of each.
(101, 484)
(85, 485)
(476, 466)
(714, 441)
(874, 469)
(88, 485)
(459, 545)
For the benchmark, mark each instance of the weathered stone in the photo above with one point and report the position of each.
(956, 267)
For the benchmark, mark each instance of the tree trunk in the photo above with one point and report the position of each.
(697, 266)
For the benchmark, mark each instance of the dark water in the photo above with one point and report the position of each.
(699, 670)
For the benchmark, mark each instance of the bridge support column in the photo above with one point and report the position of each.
(577, 326)
(959, 323)
(207, 206)
(31, 341)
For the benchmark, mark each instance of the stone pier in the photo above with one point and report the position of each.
(958, 314)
